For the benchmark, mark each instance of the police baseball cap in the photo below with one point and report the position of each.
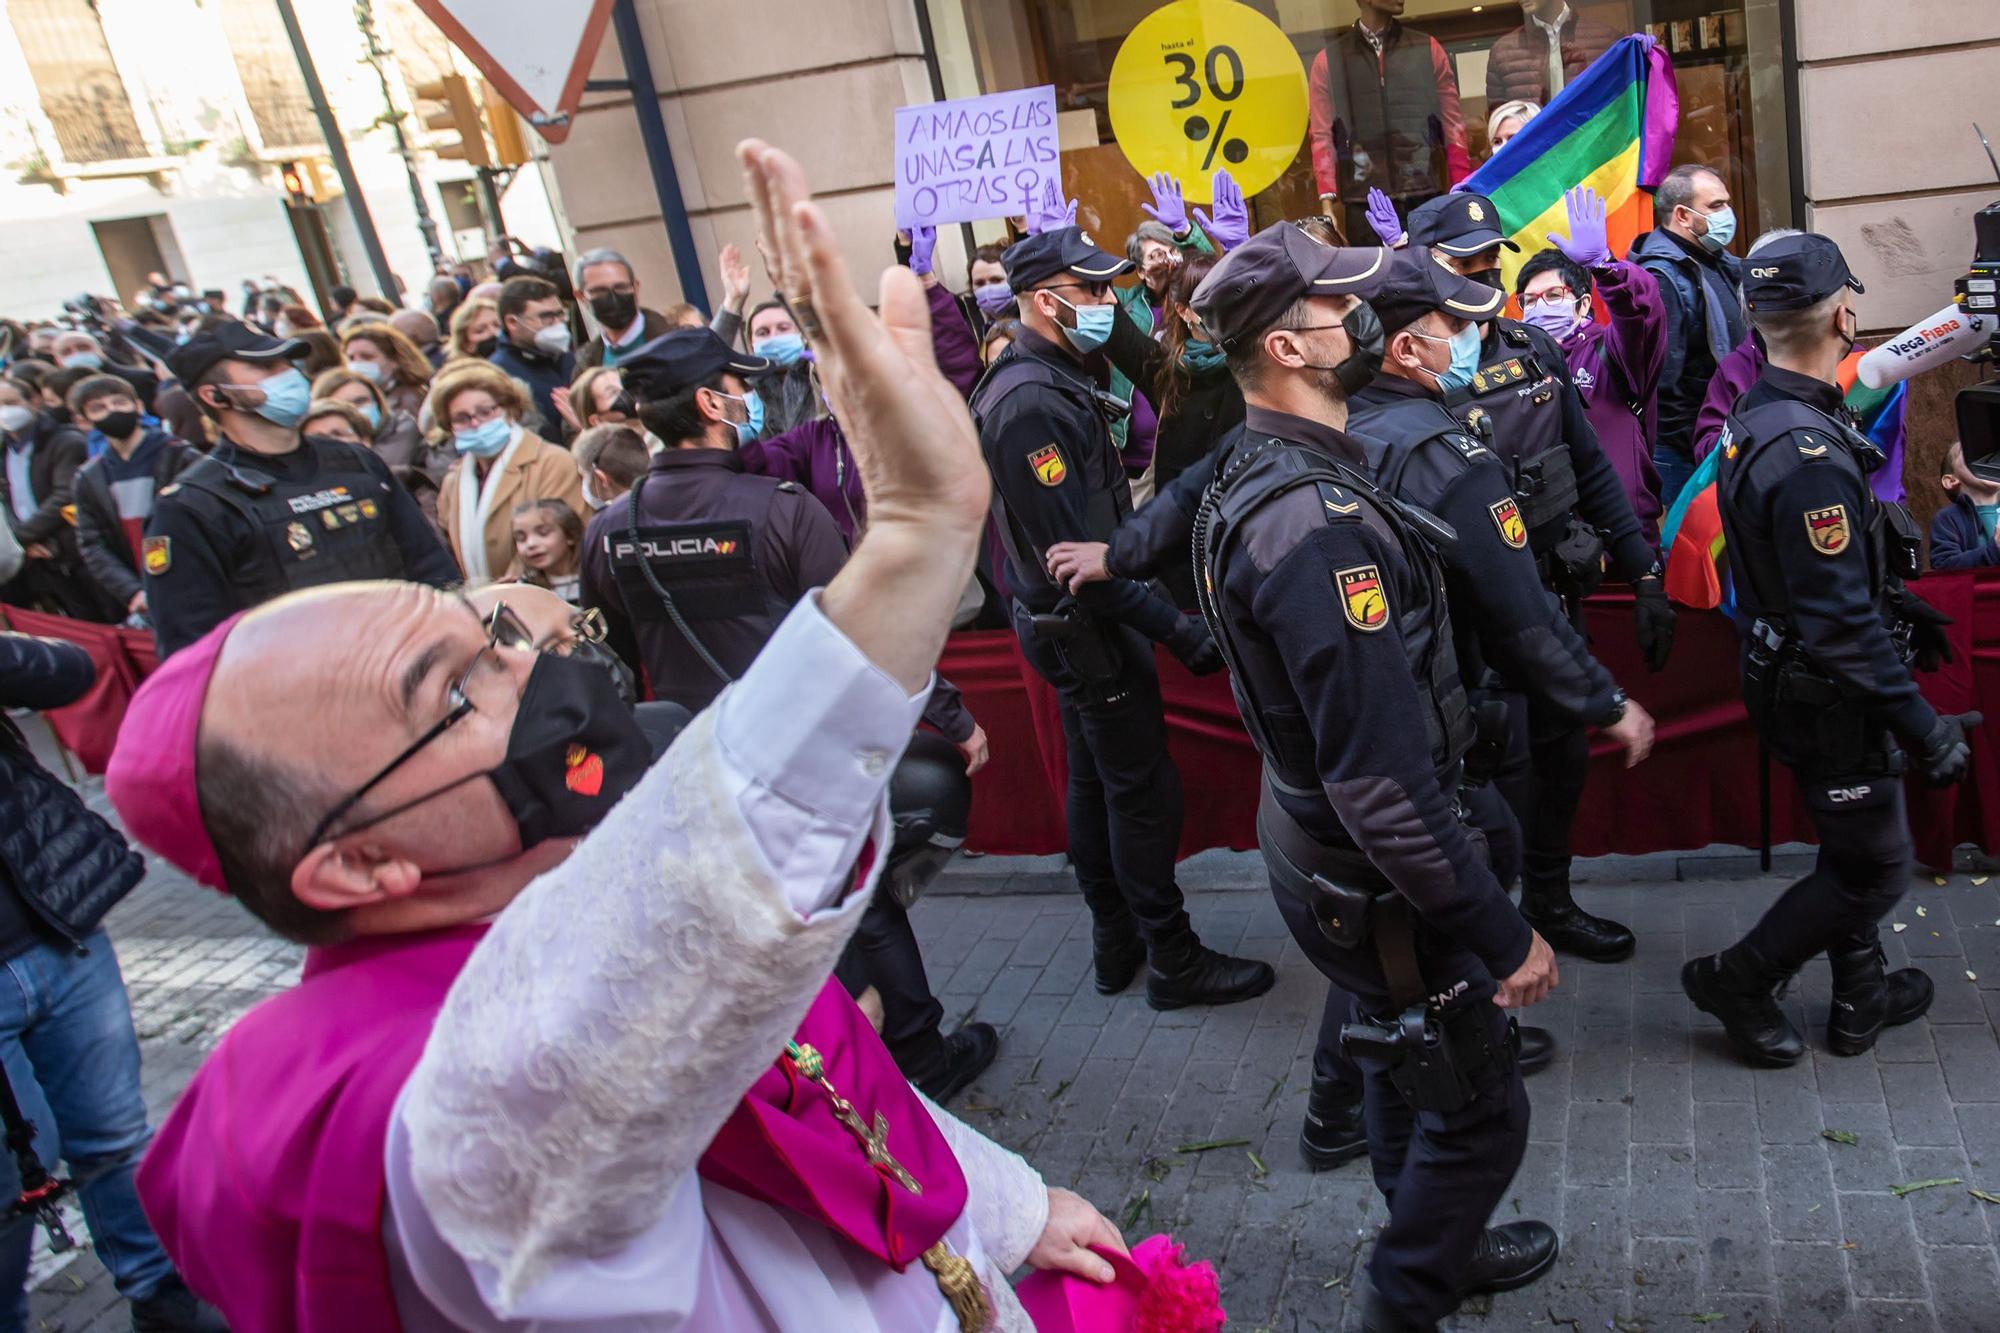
(231, 341)
(680, 360)
(1794, 273)
(1416, 282)
(1458, 224)
(1064, 250)
(1258, 281)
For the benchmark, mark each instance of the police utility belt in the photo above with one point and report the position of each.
(1778, 671)
(1081, 643)
(1436, 1057)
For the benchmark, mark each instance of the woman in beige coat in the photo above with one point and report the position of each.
(500, 464)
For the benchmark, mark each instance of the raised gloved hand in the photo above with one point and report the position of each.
(1589, 239)
(1049, 212)
(1194, 647)
(1168, 208)
(1230, 226)
(1946, 753)
(1653, 620)
(1927, 634)
(1382, 218)
(923, 244)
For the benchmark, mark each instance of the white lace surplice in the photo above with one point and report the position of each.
(541, 1161)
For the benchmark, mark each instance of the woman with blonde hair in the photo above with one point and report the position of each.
(395, 434)
(390, 361)
(501, 463)
(475, 330)
(1508, 119)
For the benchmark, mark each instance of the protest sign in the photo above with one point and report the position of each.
(975, 158)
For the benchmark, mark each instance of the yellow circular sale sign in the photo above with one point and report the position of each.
(1205, 84)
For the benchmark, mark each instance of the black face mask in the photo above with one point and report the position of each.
(624, 406)
(615, 310)
(1489, 276)
(1359, 367)
(573, 752)
(117, 425)
(485, 347)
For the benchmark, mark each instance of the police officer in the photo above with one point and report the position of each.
(269, 510)
(1045, 428)
(1828, 634)
(1511, 387)
(1358, 712)
(694, 568)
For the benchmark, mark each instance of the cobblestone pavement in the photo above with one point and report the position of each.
(1690, 1192)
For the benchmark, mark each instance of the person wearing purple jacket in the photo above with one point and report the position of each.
(1616, 366)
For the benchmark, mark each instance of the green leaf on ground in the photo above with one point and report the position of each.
(1913, 1186)
(1212, 1144)
(1708, 1318)
(1061, 1088)
(1983, 1196)
(1841, 1136)
(1141, 1205)
(1257, 1165)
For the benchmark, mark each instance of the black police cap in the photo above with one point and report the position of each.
(230, 341)
(1258, 281)
(1458, 224)
(1416, 282)
(1795, 272)
(1064, 250)
(680, 360)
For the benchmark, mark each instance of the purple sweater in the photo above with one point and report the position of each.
(1738, 371)
(1616, 365)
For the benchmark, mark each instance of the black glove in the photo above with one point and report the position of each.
(1194, 647)
(1927, 634)
(1653, 620)
(1946, 753)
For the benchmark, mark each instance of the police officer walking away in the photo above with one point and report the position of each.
(694, 568)
(1045, 428)
(269, 510)
(1824, 617)
(1327, 598)
(1511, 387)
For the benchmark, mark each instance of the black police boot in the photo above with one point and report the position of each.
(1118, 953)
(1866, 999)
(172, 1308)
(1538, 1047)
(1377, 1317)
(1569, 929)
(1333, 1132)
(1186, 971)
(967, 1052)
(1511, 1256)
(1741, 990)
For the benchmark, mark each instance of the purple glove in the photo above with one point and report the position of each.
(1050, 213)
(1383, 221)
(923, 241)
(1168, 208)
(1230, 226)
(1588, 242)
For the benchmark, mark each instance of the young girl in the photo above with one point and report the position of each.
(548, 546)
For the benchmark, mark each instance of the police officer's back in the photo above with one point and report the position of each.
(1828, 636)
(268, 511)
(1327, 598)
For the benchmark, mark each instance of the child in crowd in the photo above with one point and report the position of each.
(1962, 533)
(548, 547)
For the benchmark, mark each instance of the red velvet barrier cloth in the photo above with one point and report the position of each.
(88, 727)
(1699, 787)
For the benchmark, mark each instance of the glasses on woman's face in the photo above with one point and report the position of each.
(503, 630)
(473, 417)
(1555, 293)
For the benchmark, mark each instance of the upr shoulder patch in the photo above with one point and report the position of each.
(1507, 518)
(1828, 529)
(1048, 465)
(1361, 597)
(157, 555)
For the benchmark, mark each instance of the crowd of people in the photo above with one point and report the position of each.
(512, 566)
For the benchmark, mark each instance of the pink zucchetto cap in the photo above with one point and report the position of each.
(151, 779)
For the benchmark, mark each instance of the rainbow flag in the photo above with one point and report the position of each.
(1612, 129)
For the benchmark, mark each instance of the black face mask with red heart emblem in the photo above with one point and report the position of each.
(574, 750)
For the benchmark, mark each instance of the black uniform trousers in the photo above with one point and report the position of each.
(1124, 800)
(1442, 1174)
(1542, 776)
(883, 953)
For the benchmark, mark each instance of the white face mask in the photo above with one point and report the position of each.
(589, 495)
(14, 419)
(553, 340)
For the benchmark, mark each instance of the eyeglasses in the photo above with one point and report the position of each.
(503, 630)
(478, 416)
(1557, 293)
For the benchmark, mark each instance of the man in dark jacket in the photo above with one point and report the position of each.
(114, 491)
(1701, 287)
(605, 279)
(66, 1037)
(1962, 533)
(1538, 59)
(42, 454)
(534, 345)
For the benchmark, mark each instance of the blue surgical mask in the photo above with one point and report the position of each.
(287, 395)
(993, 297)
(1721, 231)
(753, 403)
(485, 440)
(1093, 326)
(1464, 357)
(782, 349)
(367, 370)
(374, 415)
(83, 361)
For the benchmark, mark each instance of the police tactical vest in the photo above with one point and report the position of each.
(1396, 434)
(1250, 477)
(1387, 113)
(329, 528)
(1513, 405)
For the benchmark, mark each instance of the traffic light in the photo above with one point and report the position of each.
(308, 180)
(510, 146)
(458, 113)
(297, 184)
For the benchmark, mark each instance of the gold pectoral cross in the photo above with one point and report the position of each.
(875, 1142)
